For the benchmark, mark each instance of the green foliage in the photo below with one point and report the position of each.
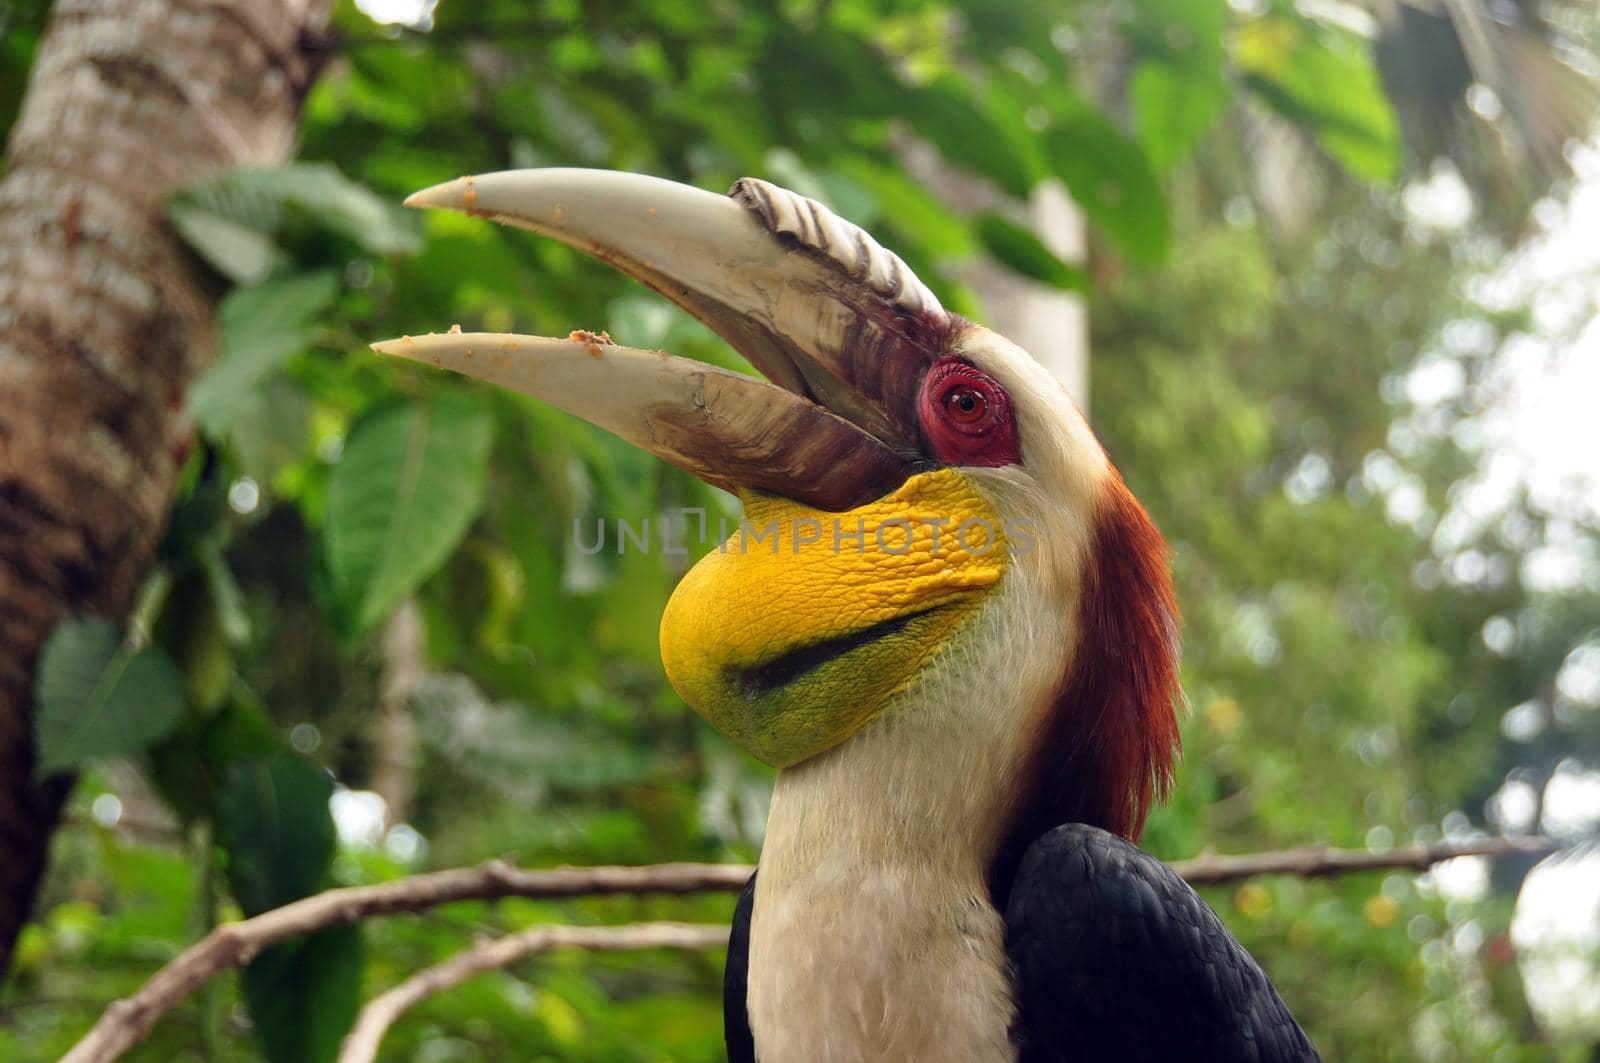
(272, 821)
(242, 254)
(1110, 177)
(1022, 251)
(1178, 85)
(409, 485)
(303, 995)
(1173, 110)
(1323, 78)
(263, 326)
(98, 697)
(235, 222)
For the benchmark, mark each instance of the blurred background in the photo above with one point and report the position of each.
(1325, 274)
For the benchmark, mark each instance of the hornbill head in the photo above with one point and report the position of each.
(933, 542)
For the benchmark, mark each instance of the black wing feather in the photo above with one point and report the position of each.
(1117, 958)
(736, 982)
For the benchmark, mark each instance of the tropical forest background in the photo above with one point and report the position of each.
(1341, 280)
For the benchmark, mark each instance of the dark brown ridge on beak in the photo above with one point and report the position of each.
(895, 327)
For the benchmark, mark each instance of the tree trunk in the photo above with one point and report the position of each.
(105, 320)
(394, 738)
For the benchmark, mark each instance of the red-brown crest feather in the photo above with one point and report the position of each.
(1106, 745)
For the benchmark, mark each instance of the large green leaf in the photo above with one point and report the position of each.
(242, 254)
(263, 326)
(216, 215)
(335, 202)
(1326, 80)
(409, 485)
(303, 995)
(274, 824)
(270, 429)
(1186, 33)
(1111, 179)
(975, 133)
(1178, 87)
(911, 207)
(1173, 106)
(1024, 252)
(98, 697)
(189, 766)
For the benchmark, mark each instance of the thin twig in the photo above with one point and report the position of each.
(1319, 861)
(380, 1013)
(126, 1022)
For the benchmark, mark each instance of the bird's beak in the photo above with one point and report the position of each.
(839, 326)
(791, 653)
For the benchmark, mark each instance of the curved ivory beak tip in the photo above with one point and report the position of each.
(404, 347)
(451, 195)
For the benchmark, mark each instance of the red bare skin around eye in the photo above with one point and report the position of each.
(966, 416)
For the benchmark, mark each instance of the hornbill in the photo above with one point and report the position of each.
(944, 619)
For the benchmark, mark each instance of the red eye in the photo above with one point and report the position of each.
(965, 404)
(966, 416)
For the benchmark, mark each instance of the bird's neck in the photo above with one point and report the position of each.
(873, 936)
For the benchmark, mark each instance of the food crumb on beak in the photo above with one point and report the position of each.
(470, 196)
(558, 212)
(592, 341)
(455, 330)
(650, 211)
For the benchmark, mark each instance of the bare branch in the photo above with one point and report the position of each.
(361, 1045)
(1319, 861)
(126, 1022)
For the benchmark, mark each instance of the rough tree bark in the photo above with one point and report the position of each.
(105, 320)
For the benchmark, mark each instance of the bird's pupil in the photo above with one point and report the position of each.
(964, 404)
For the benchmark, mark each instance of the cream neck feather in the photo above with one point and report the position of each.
(873, 936)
